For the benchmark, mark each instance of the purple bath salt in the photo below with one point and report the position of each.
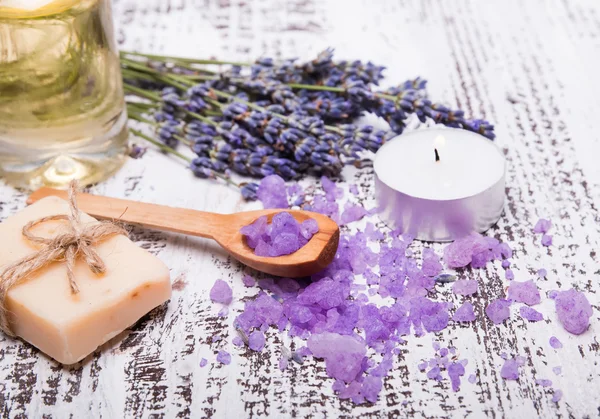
(460, 252)
(224, 357)
(524, 292)
(509, 274)
(248, 281)
(343, 354)
(510, 369)
(557, 370)
(203, 362)
(352, 212)
(543, 382)
(465, 287)
(272, 192)
(431, 263)
(555, 343)
(455, 371)
(283, 236)
(542, 273)
(530, 314)
(557, 395)
(238, 341)
(506, 263)
(435, 374)
(224, 312)
(422, 366)
(371, 387)
(283, 363)
(256, 341)
(546, 240)
(353, 189)
(573, 310)
(221, 292)
(498, 310)
(472, 378)
(464, 313)
(542, 226)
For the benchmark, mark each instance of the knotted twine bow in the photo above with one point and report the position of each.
(77, 240)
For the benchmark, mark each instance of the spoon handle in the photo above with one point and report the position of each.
(159, 217)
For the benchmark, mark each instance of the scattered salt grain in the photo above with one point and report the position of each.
(555, 343)
(542, 226)
(422, 366)
(272, 192)
(353, 189)
(573, 310)
(352, 212)
(283, 363)
(221, 292)
(509, 274)
(506, 263)
(510, 369)
(238, 341)
(465, 287)
(464, 313)
(546, 240)
(343, 354)
(203, 362)
(498, 310)
(224, 357)
(530, 314)
(557, 395)
(460, 252)
(256, 341)
(472, 378)
(431, 263)
(248, 281)
(557, 370)
(224, 312)
(524, 292)
(455, 371)
(543, 382)
(542, 273)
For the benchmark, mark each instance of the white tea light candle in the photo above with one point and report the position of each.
(440, 184)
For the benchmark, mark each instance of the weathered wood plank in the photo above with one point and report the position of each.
(528, 66)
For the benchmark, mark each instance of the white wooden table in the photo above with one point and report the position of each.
(531, 67)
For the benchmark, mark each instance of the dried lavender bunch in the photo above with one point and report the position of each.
(288, 118)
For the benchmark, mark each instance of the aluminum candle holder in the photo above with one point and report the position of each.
(440, 184)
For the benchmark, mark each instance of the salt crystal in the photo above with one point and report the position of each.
(557, 395)
(371, 387)
(353, 189)
(543, 382)
(224, 312)
(455, 371)
(352, 212)
(283, 363)
(542, 226)
(434, 374)
(238, 341)
(524, 292)
(546, 240)
(509, 274)
(256, 341)
(510, 369)
(464, 313)
(343, 354)
(203, 362)
(460, 253)
(505, 250)
(308, 228)
(498, 310)
(530, 314)
(422, 366)
(472, 378)
(431, 263)
(216, 338)
(224, 357)
(573, 310)
(552, 294)
(506, 264)
(332, 192)
(465, 287)
(272, 192)
(555, 343)
(557, 370)
(248, 281)
(542, 273)
(443, 351)
(221, 292)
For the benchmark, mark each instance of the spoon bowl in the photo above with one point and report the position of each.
(223, 228)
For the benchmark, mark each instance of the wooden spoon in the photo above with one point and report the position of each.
(223, 228)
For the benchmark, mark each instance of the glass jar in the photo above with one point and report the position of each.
(62, 110)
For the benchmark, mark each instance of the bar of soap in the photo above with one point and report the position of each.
(68, 326)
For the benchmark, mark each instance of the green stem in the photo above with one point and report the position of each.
(142, 92)
(160, 145)
(316, 87)
(166, 58)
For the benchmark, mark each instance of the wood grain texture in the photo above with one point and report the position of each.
(530, 67)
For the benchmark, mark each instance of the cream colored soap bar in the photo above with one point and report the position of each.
(67, 326)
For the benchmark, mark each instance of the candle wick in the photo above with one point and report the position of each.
(437, 156)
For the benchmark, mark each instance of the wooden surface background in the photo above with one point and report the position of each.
(531, 67)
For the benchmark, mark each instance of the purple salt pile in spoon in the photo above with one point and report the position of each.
(284, 236)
